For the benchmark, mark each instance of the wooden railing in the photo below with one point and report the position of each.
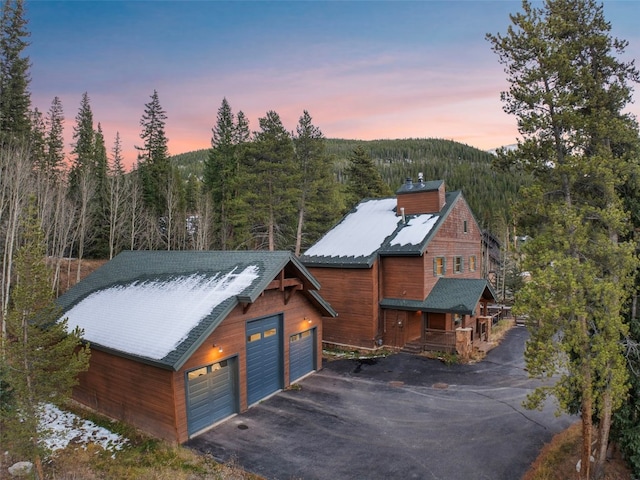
(439, 340)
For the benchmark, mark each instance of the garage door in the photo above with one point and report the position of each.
(211, 394)
(302, 354)
(264, 358)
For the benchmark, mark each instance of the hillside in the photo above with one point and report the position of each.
(490, 194)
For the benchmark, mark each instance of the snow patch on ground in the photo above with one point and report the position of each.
(62, 428)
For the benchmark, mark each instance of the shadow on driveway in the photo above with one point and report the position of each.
(399, 417)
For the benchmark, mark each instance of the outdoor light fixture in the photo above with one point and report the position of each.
(309, 321)
(219, 348)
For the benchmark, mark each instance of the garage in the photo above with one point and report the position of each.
(264, 358)
(302, 359)
(211, 394)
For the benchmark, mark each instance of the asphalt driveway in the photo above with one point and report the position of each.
(400, 417)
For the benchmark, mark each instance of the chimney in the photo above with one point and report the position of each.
(420, 198)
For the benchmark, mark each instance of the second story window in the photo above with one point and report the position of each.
(464, 226)
(472, 263)
(457, 264)
(439, 266)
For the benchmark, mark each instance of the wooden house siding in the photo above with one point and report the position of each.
(421, 202)
(231, 336)
(452, 242)
(139, 394)
(154, 399)
(404, 277)
(353, 293)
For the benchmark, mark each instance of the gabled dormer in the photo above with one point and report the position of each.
(420, 197)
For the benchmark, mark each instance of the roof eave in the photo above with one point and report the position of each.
(177, 365)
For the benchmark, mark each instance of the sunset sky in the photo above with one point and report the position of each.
(363, 69)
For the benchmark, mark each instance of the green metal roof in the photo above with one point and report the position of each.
(449, 295)
(410, 187)
(133, 268)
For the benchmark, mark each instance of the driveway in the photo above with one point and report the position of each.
(399, 417)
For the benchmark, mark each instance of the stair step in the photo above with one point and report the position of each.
(412, 348)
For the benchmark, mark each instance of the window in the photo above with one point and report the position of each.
(472, 263)
(464, 226)
(269, 333)
(254, 337)
(439, 266)
(299, 336)
(457, 265)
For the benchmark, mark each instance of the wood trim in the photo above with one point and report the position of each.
(283, 283)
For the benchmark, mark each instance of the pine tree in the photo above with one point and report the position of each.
(54, 141)
(15, 98)
(318, 205)
(153, 159)
(270, 185)
(363, 178)
(42, 356)
(568, 89)
(220, 169)
(117, 197)
(99, 247)
(84, 144)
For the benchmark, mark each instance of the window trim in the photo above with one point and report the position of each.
(458, 264)
(435, 266)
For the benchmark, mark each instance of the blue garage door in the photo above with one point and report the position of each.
(211, 394)
(264, 358)
(302, 359)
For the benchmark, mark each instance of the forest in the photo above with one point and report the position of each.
(490, 192)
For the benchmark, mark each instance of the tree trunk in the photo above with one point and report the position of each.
(299, 232)
(272, 243)
(603, 433)
(586, 410)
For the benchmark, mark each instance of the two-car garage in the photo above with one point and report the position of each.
(213, 390)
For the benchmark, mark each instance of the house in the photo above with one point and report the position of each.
(404, 272)
(182, 340)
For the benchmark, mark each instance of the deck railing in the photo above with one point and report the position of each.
(440, 340)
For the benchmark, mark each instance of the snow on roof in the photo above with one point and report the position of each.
(415, 230)
(151, 318)
(361, 232)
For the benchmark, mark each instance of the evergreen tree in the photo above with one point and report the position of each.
(84, 144)
(318, 205)
(116, 201)
(242, 132)
(270, 188)
(100, 204)
(568, 89)
(42, 356)
(54, 140)
(37, 135)
(220, 170)
(15, 99)
(363, 178)
(153, 160)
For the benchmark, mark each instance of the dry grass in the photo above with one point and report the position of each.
(557, 460)
(143, 458)
(69, 271)
(161, 462)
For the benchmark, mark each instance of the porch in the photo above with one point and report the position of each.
(440, 340)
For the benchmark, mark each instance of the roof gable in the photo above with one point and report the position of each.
(158, 307)
(373, 228)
